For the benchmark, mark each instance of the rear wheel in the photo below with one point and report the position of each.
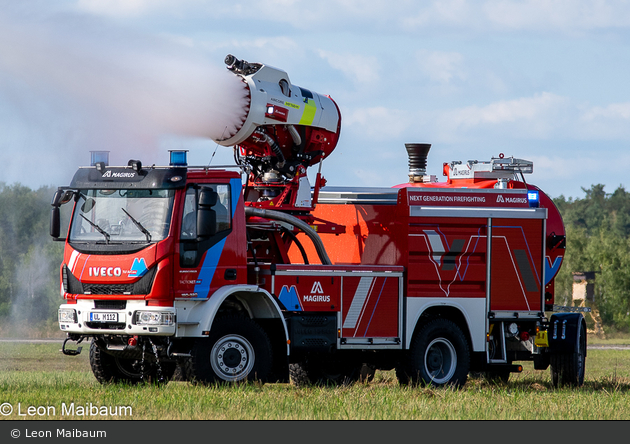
(237, 349)
(438, 355)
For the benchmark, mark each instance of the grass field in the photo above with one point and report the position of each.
(55, 386)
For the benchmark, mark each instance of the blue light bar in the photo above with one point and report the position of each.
(99, 156)
(533, 198)
(179, 157)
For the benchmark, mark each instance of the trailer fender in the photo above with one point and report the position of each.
(197, 318)
(564, 331)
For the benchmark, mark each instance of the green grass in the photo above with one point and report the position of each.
(39, 375)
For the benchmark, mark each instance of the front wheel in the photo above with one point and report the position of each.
(438, 355)
(109, 369)
(237, 349)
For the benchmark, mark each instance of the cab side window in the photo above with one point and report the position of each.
(194, 243)
(189, 220)
(223, 210)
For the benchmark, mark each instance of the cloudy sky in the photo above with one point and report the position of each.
(542, 80)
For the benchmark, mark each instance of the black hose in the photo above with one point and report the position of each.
(277, 215)
(299, 245)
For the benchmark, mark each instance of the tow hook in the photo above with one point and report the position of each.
(68, 352)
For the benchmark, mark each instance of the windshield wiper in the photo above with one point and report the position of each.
(139, 225)
(97, 228)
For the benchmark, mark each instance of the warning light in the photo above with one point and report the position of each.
(179, 157)
(99, 156)
(533, 198)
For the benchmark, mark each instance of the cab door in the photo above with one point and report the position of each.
(212, 247)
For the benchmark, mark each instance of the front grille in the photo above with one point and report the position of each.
(107, 288)
(141, 286)
(110, 305)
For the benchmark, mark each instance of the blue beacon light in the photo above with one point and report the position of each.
(178, 157)
(533, 198)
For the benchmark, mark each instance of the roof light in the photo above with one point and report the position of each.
(533, 198)
(99, 156)
(179, 157)
(135, 164)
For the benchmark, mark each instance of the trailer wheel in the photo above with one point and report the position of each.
(110, 369)
(438, 355)
(238, 349)
(568, 368)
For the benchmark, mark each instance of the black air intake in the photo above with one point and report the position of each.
(418, 153)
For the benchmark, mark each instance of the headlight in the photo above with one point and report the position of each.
(154, 318)
(67, 315)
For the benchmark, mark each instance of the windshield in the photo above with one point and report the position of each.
(119, 216)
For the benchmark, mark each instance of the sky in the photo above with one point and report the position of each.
(540, 80)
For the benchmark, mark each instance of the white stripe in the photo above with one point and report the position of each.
(73, 260)
(357, 302)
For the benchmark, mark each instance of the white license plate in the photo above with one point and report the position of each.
(103, 317)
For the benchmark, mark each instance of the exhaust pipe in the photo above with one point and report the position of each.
(417, 153)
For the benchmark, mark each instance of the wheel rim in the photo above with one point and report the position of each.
(232, 358)
(440, 361)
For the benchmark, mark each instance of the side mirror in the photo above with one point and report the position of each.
(207, 197)
(206, 216)
(55, 222)
(206, 222)
(59, 198)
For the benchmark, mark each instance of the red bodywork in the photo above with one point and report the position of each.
(448, 256)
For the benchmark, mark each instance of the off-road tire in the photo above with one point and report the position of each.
(108, 369)
(438, 355)
(569, 368)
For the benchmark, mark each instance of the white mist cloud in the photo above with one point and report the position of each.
(112, 87)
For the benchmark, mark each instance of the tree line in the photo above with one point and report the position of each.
(597, 227)
(598, 241)
(29, 260)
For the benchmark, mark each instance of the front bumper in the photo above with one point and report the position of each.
(125, 321)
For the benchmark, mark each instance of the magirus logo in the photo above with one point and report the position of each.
(115, 175)
(317, 287)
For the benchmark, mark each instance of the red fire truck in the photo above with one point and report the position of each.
(249, 272)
